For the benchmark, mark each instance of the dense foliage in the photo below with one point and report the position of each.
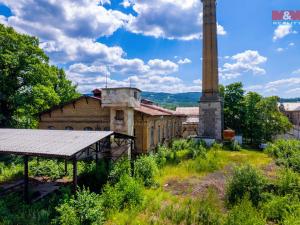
(245, 181)
(28, 83)
(286, 152)
(256, 117)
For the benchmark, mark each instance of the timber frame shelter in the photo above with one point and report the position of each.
(60, 144)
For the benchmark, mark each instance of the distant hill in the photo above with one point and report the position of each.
(173, 100)
(188, 99)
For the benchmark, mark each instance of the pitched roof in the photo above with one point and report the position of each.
(48, 143)
(154, 110)
(188, 111)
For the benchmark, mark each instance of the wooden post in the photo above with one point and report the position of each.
(66, 167)
(74, 175)
(97, 150)
(26, 179)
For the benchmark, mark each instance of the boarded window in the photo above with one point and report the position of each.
(152, 136)
(119, 115)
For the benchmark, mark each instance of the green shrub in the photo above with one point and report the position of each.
(161, 156)
(217, 146)
(177, 214)
(234, 146)
(209, 163)
(286, 152)
(128, 192)
(84, 209)
(245, 180)
(288, 182)
(292, 219)
(119, 169)
(244, 214)
(50, 168)
(178, 145)
(278, 207)
(208, 212)
(196, 149)
(145, 169)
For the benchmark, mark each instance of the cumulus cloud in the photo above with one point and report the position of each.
(248, 61)
(282, 30)
(176, 19)
(288, 87)
(184, 61)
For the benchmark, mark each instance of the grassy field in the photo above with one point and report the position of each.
(177, 195)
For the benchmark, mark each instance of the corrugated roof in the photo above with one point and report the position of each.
(291, 106)
(188, 111)
(55, 143)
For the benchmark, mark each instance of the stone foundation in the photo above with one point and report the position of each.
(211, 119)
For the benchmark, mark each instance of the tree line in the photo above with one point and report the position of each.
(257, 118)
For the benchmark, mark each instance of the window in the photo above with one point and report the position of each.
(88, 128)
(152, 136)
(69, 128)
(106, 129)
(51, 128)
(158, 135)
(119, 115)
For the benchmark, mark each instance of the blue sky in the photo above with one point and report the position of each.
(156, 45)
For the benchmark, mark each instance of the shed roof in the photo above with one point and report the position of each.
(154, 110)
(48, 143)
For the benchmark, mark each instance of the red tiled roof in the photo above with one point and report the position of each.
(188, 111)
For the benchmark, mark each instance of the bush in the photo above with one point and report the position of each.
(234, 146)
(245, 180)
(85, 208)
(196, 148)
(161, 156)
(208, 211)
(288, 182)
(244, 214)
(209, 163)
(179, 145)
(286, 152)
(145, 169)
(128, 192)
(49, 168)
(119, 169)
(277, 208)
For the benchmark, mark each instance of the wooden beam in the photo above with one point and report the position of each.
(74, 175)
(26, 180)
(66, 167)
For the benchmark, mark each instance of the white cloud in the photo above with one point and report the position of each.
(248, 61)
(288, 87)
(291, 44)
(296, 72)
(184, 61)
(280, 49)
(282, 30)
(170, 19)
(221, 31)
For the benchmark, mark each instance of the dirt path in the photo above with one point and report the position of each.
(198, 186)
(195, 186)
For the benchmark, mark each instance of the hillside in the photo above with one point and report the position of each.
(173, 100)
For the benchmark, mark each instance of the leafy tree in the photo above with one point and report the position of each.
(251, 123)
(28, 84)
(273, 122)
(233, 106)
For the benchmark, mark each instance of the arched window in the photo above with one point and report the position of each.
(88, 129)
(69, 128)
(51, 128)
